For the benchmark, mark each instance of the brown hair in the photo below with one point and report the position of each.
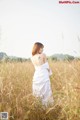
(37, 47)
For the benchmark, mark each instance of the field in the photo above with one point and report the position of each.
(16, 91)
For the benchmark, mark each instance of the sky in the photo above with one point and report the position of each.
(24, 22)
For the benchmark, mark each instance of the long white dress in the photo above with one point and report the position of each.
(41, 85)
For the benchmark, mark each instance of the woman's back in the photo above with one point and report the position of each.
(39, 59)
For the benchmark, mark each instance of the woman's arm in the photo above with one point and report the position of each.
(45, 60)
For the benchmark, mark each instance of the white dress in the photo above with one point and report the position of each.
(41, 85)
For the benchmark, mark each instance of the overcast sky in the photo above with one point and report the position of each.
(24, 22)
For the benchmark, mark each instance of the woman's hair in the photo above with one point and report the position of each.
(37, 47)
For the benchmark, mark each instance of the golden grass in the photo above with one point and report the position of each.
(16, 92)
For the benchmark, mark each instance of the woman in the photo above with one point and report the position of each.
(41, 85)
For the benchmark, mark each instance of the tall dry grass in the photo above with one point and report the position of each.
(16, 92)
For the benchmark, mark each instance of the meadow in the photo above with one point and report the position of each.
(16, 91)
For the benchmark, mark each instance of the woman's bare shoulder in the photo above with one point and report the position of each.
(43, 54)
(44, 57)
